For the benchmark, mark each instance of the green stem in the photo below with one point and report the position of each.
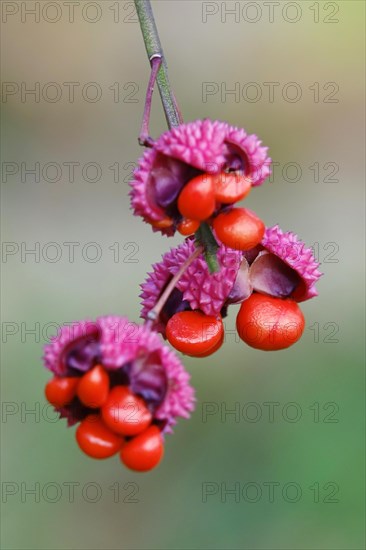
(154, 49)
(205, 238)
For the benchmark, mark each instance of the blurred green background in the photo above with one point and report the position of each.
(310, 452)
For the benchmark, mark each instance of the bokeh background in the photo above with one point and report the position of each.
(311, 451)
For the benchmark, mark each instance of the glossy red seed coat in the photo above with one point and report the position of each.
(93, 388)
(239, 228)
(194, 333)
(197, 198)
(143, 452)
(188, 227)
(231, 187)
(268, 323)
(95, 439)
(214, 349)
(60, 391)
(125, 413)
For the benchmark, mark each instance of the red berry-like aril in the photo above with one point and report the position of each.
(231, 187)
(125, 413)
(188, 227)
(214, 349)
(164, 223)
(143, 452)
(95, 439)
(197, 198)
(268, 323)
(194, 333)
(93, 388)
(239, 228)
(60, 391)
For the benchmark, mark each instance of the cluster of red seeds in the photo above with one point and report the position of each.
(209, 198)
(121, 421)
(263, 322)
